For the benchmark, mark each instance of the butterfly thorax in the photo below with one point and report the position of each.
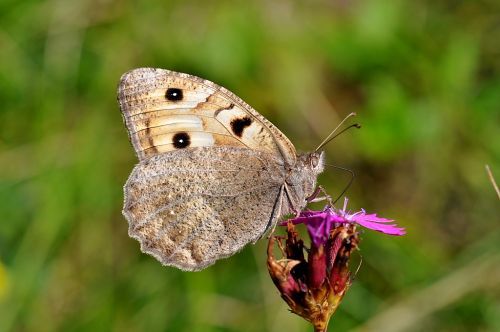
(302, 177)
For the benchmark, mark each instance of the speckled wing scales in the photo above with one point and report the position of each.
(165, 110)
(191, 207)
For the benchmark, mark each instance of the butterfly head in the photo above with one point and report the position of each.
(303, 177)
(315, 161)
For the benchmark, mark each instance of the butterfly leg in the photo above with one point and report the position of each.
(278, 209)
(316, 198)
(275, 214)
(293, 206)
(314, 194)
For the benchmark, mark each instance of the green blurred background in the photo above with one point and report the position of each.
(423, 76)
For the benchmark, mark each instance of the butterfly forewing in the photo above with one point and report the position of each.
(165, 111)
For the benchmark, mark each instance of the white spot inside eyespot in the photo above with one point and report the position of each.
(172, 212)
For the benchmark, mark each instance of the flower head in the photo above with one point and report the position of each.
(320, 223)
(314, 286)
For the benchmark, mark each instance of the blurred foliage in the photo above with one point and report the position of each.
(423, 76)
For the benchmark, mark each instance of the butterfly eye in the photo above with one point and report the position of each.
(174, 94)
(314, 160)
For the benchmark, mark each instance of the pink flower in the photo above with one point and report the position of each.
(320, 223)
(313, 285)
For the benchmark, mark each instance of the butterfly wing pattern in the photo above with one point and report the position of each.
(157, 104)
(212, 173)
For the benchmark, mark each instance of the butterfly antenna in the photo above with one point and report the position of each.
(348, 184)
(331, 135)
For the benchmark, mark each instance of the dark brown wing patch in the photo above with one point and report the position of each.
(181, 140)
(174, 94)
(239, 124)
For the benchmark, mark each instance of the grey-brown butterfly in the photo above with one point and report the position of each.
(213, 174)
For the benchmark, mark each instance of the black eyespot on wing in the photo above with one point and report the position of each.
(239, 124)
(174, 94)
(181, 140)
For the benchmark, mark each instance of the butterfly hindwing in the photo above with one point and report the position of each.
(191, 207)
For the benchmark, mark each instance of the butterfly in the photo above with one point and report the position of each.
(213, 174)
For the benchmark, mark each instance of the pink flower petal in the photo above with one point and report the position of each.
(390, 229)
(320, 223)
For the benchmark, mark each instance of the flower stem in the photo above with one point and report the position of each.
(320, 327)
